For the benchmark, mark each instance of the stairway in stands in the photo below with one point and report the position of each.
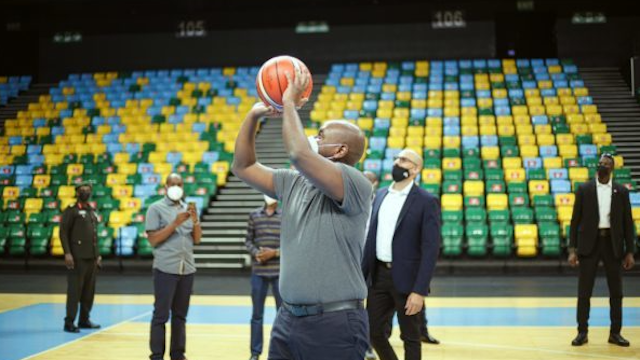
(32, 95)
(619, 110)
(224, 223)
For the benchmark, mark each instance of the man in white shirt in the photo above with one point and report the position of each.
(601, 229)
(402, 247)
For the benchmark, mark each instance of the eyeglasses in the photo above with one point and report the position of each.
(404, 159)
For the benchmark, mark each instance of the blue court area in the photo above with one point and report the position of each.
(32, 329)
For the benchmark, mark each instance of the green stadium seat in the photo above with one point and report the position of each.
(433, 189)
(543, 200)
(494, 174)
(496, 187)
(522, 215)
(549, 233)
(452, 175)
(502, 239)
(476, 239)
(39, 239)
(517, 187)
(452, 187)
(518, 200)
(499, 216)
(546, 214)
(452, 234)
(452, 216)
(474, 201)
(536, 174)
(475, 215)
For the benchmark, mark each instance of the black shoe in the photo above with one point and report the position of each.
(254, 357)
(426, 338)
(617, 339)
(70, 328)
(580, 340)
(88, 325)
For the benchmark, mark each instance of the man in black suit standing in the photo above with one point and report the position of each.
(399, 258)
(601, 229)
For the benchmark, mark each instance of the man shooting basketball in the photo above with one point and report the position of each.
(325, 203)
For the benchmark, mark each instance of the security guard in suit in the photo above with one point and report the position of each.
(79, 237)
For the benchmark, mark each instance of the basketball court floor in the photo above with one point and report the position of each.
(474, 317)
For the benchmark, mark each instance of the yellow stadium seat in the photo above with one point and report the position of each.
(75, 169)
(565, 212)
(414, 142)
(538, 187)
(18, 150)
(497, 201)
(432, 142)
(41, 181)
(395, 131)
(529, 151)
(127, 168)
(220, 167)
(415, 131)
(592, 118)
(514, 175)
(10, 193)
(565, 199)
(526, 238)
(130, 204)
(122, 191)
(602, 139)
(473, 188)
(431, 176)
(618, 161)
(575, 119)
(365, 123)
(506, 130)
(451, 201)
(118, 219)
(486, 130)
(512, 163)
(564, 139)
(32, 205)
(597, 128)
(451, 141)
(400, 122)
(116, 179)
(579, 129)
(121, 158)
(469, 131)
(635, 214)
(66, 191)
(545, 139)
(589, 109)
(434, 122)
(568, 151)
(579, 174)
(490, 152)
(396, 142)
(451, 163)
(552, 162)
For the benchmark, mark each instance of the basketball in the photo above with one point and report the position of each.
(271, 81)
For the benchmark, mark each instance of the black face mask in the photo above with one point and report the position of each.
(603, 170)
(83, 196)
(399, 173)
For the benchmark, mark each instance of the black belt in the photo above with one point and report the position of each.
(317, 309)
(384, 264)
(604, 232)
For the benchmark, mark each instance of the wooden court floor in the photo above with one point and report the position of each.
(218, 328)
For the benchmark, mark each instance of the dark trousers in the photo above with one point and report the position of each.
(382, 303)
(328, 336)
(81, 287)
(587, 275)
(172, 294)
(259, 290)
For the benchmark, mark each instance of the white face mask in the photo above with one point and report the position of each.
(175, 193)
(314, 143)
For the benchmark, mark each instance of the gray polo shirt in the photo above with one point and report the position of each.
(174, 255)
(321, 240)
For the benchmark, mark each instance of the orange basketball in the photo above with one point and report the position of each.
(271, 81)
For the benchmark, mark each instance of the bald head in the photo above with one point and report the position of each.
(173, 179)
(343, 133)
(412, 156)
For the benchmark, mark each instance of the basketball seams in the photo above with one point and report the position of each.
(263, 92)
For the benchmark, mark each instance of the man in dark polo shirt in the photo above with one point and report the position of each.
(78, 234)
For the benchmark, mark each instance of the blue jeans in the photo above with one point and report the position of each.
(259, 289)
(335, 335)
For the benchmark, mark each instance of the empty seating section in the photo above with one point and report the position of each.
(505, 143)
(124, 133)
(11, 86)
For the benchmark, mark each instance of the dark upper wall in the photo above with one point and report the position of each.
(254, 46)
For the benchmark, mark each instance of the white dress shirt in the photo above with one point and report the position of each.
(387, 220)
(604, 203)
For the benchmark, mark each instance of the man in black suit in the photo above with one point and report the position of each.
(601, 229)
(399, 258)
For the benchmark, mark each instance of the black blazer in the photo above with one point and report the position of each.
(416, 242)
(583, 234)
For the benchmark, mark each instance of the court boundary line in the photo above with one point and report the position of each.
(147, 313)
